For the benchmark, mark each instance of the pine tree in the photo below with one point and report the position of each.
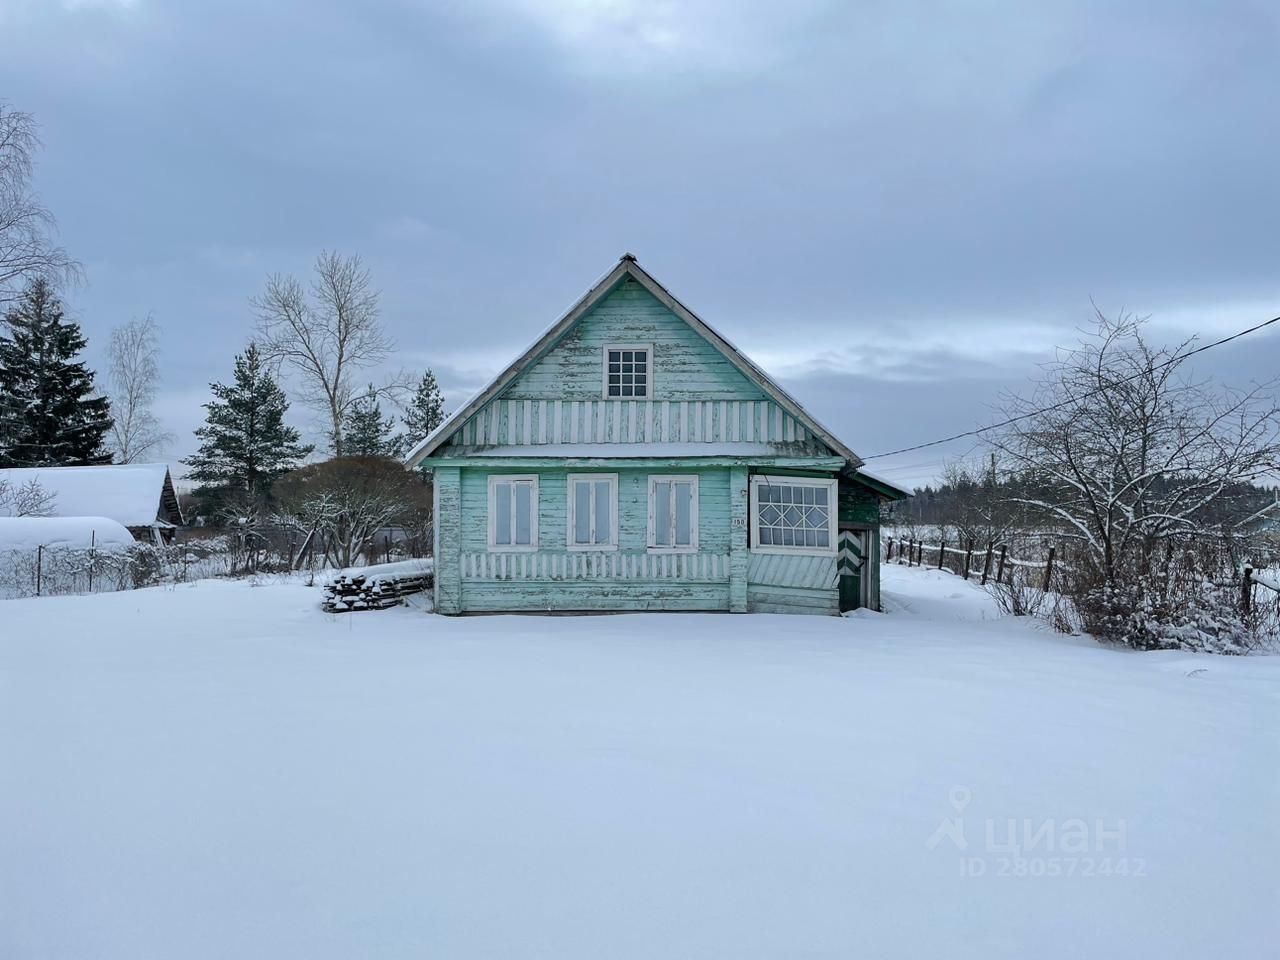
(49, 414)
(426, 410)
(245, 442)
(366, 432)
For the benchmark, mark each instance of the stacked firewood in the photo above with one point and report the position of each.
(372, 589)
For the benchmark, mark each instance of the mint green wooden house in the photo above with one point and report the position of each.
(633, 459)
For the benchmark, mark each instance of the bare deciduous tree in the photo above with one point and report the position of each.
(326, 338)
(134, 377)
(1120, 450)
(26, 226)
(28, 499)
(345, 502)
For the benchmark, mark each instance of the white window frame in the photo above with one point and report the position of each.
(832, 487)
(571, 511)
(648, 365)
(494, 480)
(654, 480)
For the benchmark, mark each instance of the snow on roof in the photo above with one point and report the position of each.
(863, 471)
(128, 493)
(27, 533)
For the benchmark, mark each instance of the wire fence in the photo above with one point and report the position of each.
(58, 569)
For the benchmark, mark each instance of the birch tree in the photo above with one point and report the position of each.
(27, 247)
(1119, 449)
(134, 376)
(325, 336)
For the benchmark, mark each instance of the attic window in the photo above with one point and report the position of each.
(627, 370)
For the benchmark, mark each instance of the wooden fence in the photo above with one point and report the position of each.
(1255, 578)
(911, 552)
(993, 559)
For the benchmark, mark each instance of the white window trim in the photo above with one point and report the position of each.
(654, 480)
(494, 546)
(832, 485)
(571, 511)
(604, 368)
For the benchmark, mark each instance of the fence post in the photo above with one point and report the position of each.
(942, 552)
(1048, 569)
(888, 550)
(1004, 549)
(1246, 589)
(39, 565)
(986, 565)
(93, 540)
(968, 558)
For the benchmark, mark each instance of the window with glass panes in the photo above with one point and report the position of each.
(792, 515)
(673, 514)
(513, 512)
(593, 511)
(627, 371)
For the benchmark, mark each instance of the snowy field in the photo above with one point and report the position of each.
(220, 770)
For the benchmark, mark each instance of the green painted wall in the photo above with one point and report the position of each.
(633, 508)
(686, 367)
(723, 575)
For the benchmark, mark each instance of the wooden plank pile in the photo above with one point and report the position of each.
(378, 587)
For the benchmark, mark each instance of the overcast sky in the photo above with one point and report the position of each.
(897, 208)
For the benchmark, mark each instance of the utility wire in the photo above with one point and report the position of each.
(1084, 396)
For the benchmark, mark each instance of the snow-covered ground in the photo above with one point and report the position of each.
(220, 770)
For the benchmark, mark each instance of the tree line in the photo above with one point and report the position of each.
(315, 341)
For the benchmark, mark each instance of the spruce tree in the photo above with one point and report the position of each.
(425, 412)
(366, 432)
(245, 442)
(49, 414)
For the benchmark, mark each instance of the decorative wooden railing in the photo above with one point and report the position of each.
(534, 422)
(595, 566)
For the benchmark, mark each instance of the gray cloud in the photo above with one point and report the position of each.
(909, 201)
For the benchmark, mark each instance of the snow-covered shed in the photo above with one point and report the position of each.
(138, 496)
(25, 534)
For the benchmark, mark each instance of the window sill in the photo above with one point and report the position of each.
(507, 548)
(592, 547)
(658, 551)
(796, 551)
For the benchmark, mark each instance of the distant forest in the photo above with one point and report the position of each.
(964, 491)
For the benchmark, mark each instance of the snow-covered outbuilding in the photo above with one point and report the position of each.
(25, 534)
(138, 496)
(634, 459)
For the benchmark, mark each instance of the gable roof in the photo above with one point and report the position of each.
(625, 267)
(132, 494)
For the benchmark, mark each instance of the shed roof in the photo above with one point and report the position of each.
(132, 494)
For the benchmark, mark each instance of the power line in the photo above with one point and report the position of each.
(1084, 396)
